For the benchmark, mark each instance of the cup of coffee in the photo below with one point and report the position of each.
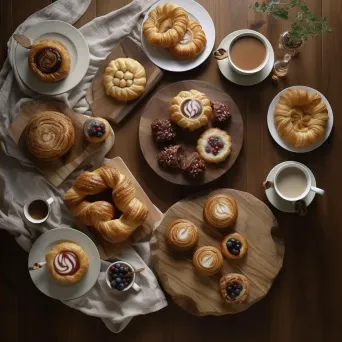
(292, 182)
(120, 277)
(248, 52)
(38, 210)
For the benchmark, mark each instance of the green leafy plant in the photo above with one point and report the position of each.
(303, 26)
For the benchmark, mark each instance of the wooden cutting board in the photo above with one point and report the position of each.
(199, 295)
(105, 106)
(108, 250)
(158, 107)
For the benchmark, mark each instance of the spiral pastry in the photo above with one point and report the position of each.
(67, 262)
(182, 235)
(301, 117)
(49, 60)
(220, 211)
(208, 260)
(49, 135)
(234, 288)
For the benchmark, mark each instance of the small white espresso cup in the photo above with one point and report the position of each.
(132, 285)
(27, 205)
(309, 186)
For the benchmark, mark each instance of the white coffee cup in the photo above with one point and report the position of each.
(133, 285)
(222, 53)
(27, 206)
(309, 187)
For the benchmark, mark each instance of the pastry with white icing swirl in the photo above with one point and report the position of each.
(67, 262)
(190, 109)
(220, 211)
(208, 260)
(182, 235)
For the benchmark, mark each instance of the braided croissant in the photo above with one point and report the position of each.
(100, 214)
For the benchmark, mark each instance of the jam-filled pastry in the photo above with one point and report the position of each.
(234, 246)
(49, 60)
(234, 288)
(192, 44)
(220, 211)
(190, 109)
(124, 79)
(96, 130)
(67, 262)
(214, 145)
(182, 235)
(208, 260)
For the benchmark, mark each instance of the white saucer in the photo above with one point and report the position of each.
(244, 80)
(74, 42)
(166, 61)
(280, 203)
(41, 277)
(279, 140)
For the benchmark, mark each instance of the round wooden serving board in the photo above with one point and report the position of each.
(158, 108)
(199, 295)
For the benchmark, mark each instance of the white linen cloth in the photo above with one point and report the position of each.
(21, 181)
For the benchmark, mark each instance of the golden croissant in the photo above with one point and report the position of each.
(166, 25)
(100, 214)
(301, 117)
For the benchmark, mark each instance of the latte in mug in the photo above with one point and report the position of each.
(292, 182)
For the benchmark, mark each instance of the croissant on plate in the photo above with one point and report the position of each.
(100, 214)
(300, 117)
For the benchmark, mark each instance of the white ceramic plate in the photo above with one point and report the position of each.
(74, 42)
(279, 202)
(244, 80)
(279, 140)
(41, 277)
(166, 61)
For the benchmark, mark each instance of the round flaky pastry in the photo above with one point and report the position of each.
(220, 211)
(166, 25)
(124, 79)
(100, 214)
(49, 135)
(208, 260)
(49, 60)
(234, 288)
(67, 262)
(234, 246)
(214, 145)
(190, 109)
(192, 43)
(300, 117)
(182, 235)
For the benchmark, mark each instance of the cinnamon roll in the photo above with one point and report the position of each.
(49, 60)
(234, 288)
(182, 235)
(67, 262)
(220, 211)
(208, 260)
(234, 246)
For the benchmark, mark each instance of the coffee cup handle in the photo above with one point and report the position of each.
(317, 190)
(50, 200)
(136, 287)
(220, 54)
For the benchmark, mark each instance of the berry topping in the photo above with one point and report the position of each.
(234, 290)
(96, 128)
(234, 246)
(215, 144)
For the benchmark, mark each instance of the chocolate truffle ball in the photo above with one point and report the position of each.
(163, 131)
(171, 157)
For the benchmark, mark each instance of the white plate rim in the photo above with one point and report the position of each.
(71, 291)
(244, 80)
(77, 73)
(308, 199)
(208, 27)
(279, 140)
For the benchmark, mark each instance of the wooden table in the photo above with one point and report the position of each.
(304, 302)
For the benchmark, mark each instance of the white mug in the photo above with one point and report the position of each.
(222, 53)
(27, 205)
(309, 186)
(132, 285)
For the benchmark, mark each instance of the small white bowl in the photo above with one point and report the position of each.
(256, 35)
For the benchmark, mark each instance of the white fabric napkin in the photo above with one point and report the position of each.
(21, 181)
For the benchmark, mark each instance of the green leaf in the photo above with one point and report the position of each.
(256, 5)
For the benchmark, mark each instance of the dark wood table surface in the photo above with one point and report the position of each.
(305, 301)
